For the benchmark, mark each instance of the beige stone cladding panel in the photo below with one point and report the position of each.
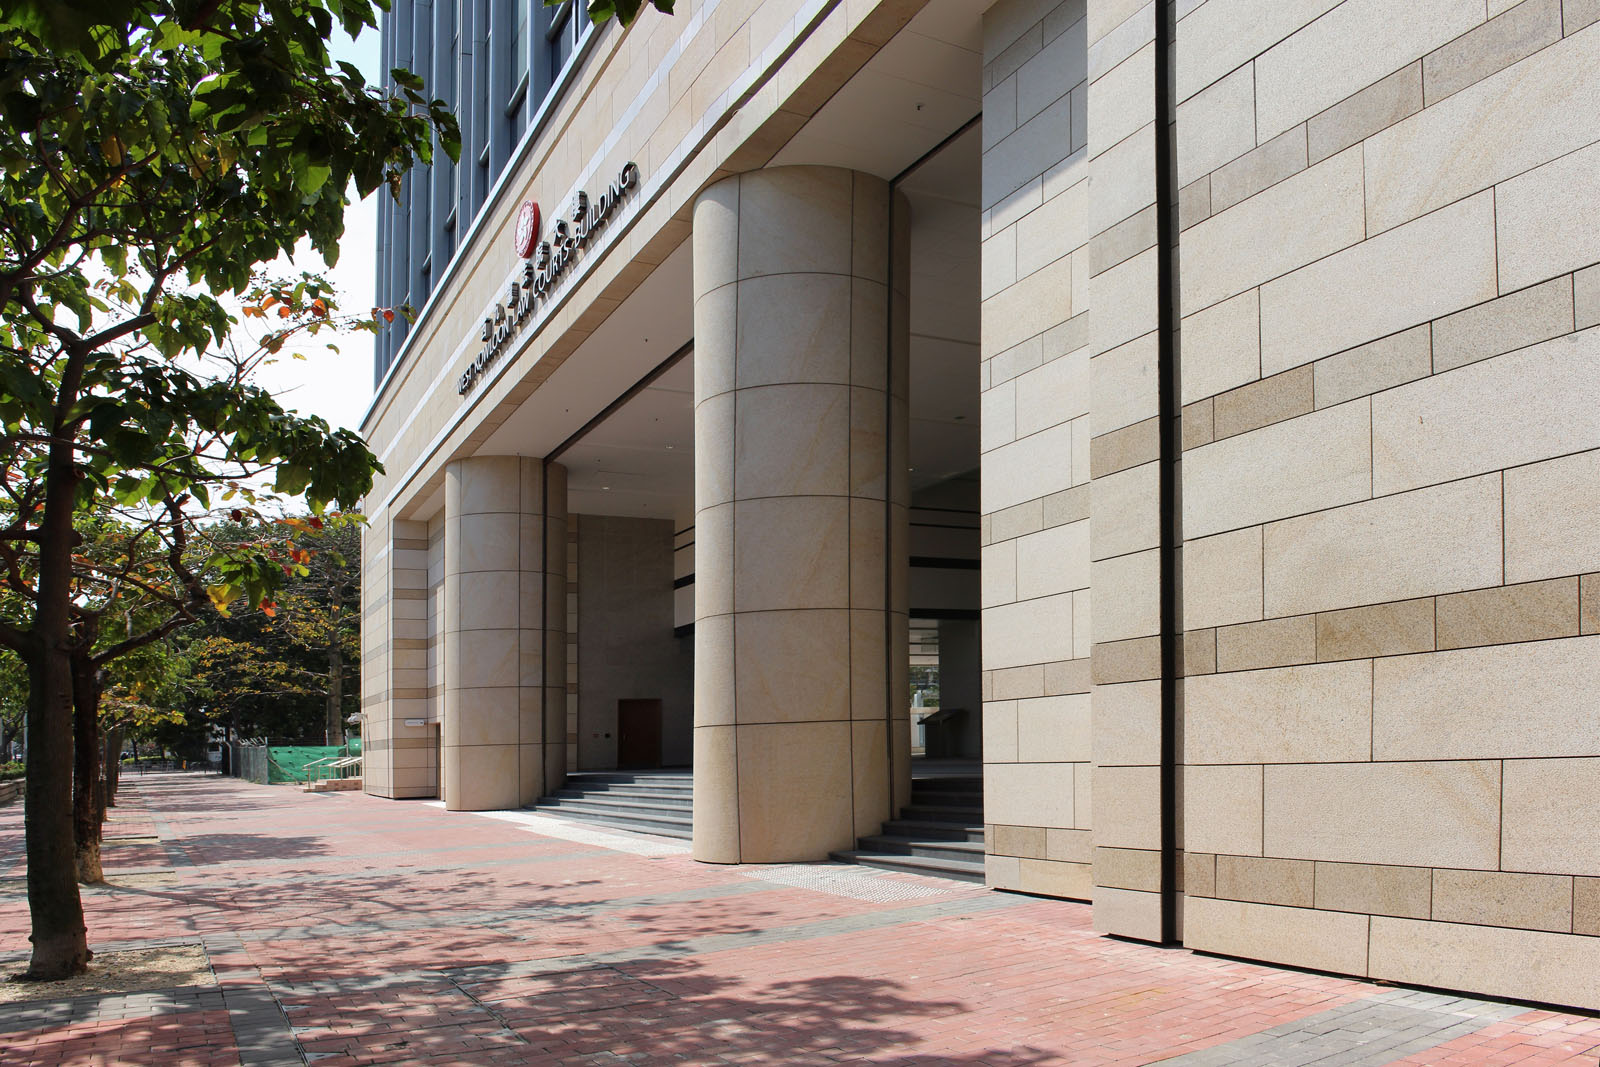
(1307, 217)
(1222, 346)
(1535, 111)
(1306, 464)
(1222, 579)
(1319, 712)
(1436, 540)
(1442, 814)
(1364, 292)
(1550, 509)
(1217, 124)
(1221, 35)
(1324, 940)
(1127, 913)
(1035, 409)
(1547, 220)
(1511, 410)
(1222, 810)
(1549, 816)
(1496, 898)
(1353, 46)
(1539, 966)
(1520, 700)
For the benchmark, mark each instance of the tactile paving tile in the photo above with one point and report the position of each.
(844, 880)
(583, 834)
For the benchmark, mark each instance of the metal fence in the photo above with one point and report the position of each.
(249, 762)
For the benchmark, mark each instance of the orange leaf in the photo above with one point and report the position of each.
(283, 312)
(388, 315)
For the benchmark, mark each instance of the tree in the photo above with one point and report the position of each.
(152, 154)
(624, 10)
(287, 671)
(13, 701)
(319, 611)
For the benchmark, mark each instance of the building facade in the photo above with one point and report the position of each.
(1226, 430)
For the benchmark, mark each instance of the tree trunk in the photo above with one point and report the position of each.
(60, 940)
(335, 666)
(88, 809)
(113, 760)
(335, 693)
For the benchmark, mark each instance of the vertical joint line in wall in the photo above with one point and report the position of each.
(1494, 232)
(733, 532)
(1366, 226)
(543, 563)
(890, 548)
(1171, 445)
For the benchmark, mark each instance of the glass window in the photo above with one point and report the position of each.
(560, 38)
(519, 39)
(517, 107)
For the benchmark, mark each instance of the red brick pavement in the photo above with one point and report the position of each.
(399, 933)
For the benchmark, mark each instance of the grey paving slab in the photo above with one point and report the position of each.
(38, 1015)
(1383, 1028)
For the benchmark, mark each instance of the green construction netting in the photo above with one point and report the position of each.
(287, 763)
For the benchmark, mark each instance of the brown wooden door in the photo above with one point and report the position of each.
(638, 733)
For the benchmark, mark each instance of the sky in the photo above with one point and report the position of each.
(338, 386)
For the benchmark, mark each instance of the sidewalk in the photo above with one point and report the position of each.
(345, 929)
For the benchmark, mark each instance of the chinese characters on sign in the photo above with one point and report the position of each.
(549, 261)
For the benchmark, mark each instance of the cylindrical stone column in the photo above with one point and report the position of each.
(801, 709)
(498, 622)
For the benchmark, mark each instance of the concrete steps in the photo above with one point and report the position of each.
(334, 785)
(940, 833)
(646, 802)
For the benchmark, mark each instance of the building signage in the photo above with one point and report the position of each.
(527, 230)
(550, 260)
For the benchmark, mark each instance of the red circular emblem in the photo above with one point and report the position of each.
(527, 228)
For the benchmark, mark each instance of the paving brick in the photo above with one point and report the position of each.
(348, 929)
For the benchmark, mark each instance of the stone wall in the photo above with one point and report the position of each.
(1035, 443)
(626, 647)
(1388, 239)
(398, 760)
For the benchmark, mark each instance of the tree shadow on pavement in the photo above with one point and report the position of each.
(648, 1012)
(674, 1011)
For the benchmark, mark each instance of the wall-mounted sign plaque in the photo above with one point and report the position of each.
(541, 274)
(527, 231)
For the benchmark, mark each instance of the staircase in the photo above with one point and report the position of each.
(940, 833)
(646, 802)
